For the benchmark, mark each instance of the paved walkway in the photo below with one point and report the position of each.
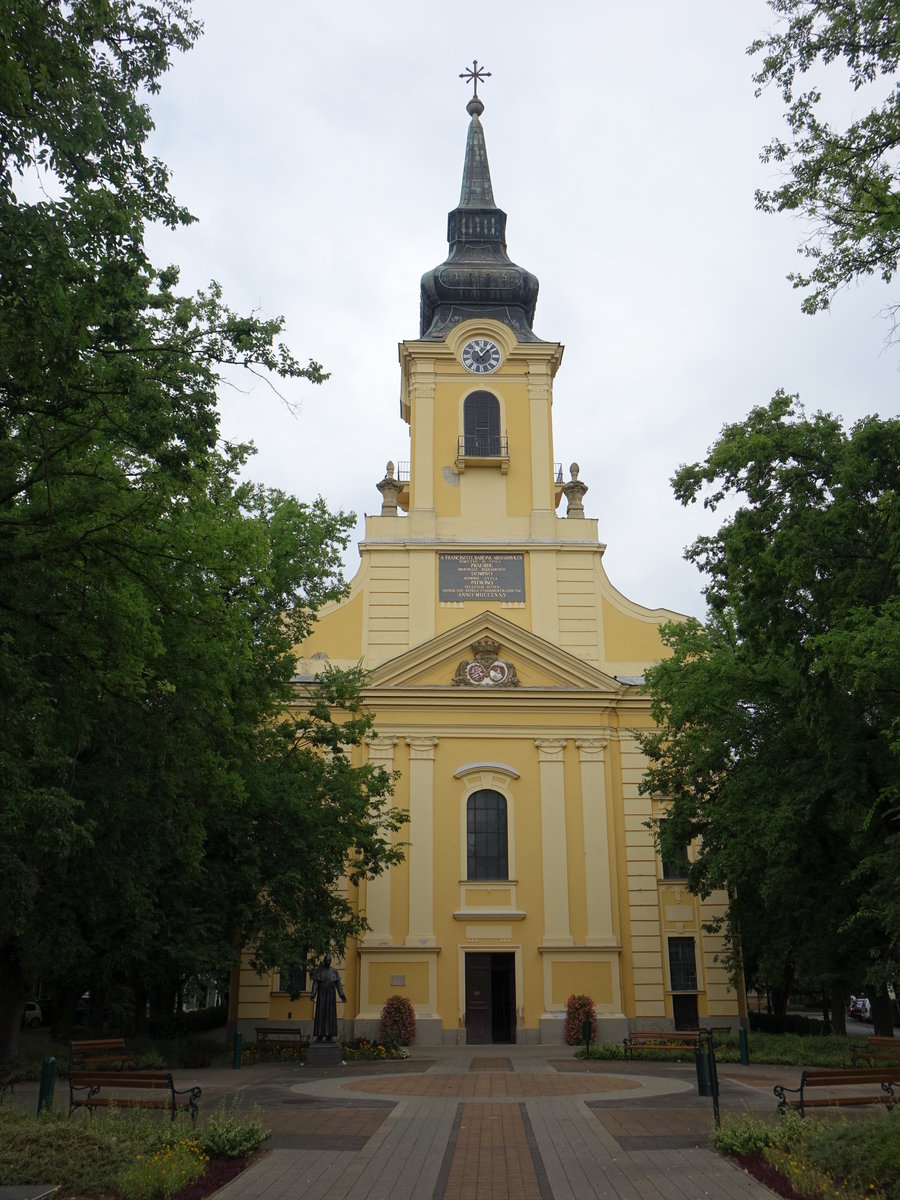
(491, 1123)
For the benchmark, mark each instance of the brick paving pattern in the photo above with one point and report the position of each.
(491, 1064)
(492, 1086)
(464, 1124)
(492, 1158)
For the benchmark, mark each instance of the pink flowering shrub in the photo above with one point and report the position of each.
(578, 1010)
(398, 1021)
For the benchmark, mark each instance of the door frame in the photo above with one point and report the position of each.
(492, 947)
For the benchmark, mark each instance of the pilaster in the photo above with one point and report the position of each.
(422, 477)
(541, 449)
(378, 889)
(421, 839)
(553, 842)
(598, 858)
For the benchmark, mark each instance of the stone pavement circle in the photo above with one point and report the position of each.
(519, 1126)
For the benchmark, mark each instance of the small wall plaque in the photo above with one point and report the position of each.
(398, 981)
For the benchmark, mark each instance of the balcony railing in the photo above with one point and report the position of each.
(483, 445)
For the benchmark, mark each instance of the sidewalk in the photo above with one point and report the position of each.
(486, 1123)
(493, 1123)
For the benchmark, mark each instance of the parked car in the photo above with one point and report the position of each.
(32, 1016)
(860, 1008)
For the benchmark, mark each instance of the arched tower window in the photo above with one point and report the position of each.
(486, 838)
(481, 425)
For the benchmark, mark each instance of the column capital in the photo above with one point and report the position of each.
(380, 745)
(550, 749)
(592, 749)
(422, 747)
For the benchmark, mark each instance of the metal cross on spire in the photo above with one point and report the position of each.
(475, 75)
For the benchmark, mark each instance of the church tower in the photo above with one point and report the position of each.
(504, 678)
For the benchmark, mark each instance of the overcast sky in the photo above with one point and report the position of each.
(321, 147)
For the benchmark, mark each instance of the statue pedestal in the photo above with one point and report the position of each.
(323, 1054)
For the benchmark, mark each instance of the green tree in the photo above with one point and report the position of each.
(844, 180)
(778, 721)
(161, 804)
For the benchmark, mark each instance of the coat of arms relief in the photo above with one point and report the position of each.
(485, 669)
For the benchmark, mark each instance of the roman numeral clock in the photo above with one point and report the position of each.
(481, 356)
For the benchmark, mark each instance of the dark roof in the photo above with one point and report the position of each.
(477, 278)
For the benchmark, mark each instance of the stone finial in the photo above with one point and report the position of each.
(390, 489)
(574, 492)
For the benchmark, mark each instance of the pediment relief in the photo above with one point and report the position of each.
(485, 668)
(466, 656)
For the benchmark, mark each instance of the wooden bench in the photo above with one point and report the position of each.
(876, 1050)
(100, 1089)
(858, 1078)
(278, 1033)
(98, 1052)
(683, 1041)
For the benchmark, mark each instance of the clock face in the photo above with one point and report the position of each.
(481, 356)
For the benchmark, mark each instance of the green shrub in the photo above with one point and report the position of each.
(398, 1021)
(865, 1153)
(163, 1171)
(750, 1134)
(363, 1048)
(578, 1010)
(787, 1023)
(230, 1133)
(195, 1053)
(201, 1020)
(271, 1051)
(604, 1050)
(50, 1147)
(835, 1158)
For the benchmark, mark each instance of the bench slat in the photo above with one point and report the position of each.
(92, 1082)
(839, 1078)
(661, 1039)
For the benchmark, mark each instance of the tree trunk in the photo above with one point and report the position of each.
(882, 1013)
(838, 1009)
(64, 1000)
(140, 1010)
(778, 994)
(13, 989)
(162, 1008)
(96, 1009)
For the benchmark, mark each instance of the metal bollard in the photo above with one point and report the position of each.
(713, 1075)
(238, 1045)
(704, 1081)
(48, 1080)
(586, 1036)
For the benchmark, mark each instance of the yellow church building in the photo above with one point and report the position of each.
(505, 676)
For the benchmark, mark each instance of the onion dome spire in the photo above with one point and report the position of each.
(477, 278)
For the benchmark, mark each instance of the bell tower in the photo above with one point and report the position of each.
(481, 487)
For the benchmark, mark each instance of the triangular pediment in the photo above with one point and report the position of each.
(536, 663)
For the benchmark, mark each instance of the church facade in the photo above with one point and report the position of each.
(505, 676)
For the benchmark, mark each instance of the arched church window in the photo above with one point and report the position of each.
(481, 425)
(486, 838)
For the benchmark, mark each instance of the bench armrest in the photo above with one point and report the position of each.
(193, 1095)
(783, 1102)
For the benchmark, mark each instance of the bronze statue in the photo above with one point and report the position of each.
(325, 989)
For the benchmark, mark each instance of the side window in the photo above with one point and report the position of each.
(292, 979)
(487, 854)
(682, 964)
(677, 864)
(481, 425)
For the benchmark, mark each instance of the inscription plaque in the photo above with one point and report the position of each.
(481, 577)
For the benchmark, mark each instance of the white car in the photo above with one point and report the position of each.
(32, 1016)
